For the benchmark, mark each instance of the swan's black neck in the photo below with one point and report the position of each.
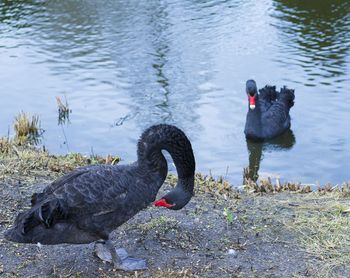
(253, 123)
(169, 138)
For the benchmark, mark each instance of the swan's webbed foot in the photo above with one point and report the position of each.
(129, 263)
(120, 258)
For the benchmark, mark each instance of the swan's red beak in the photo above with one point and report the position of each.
(251, 102)
(162, 203)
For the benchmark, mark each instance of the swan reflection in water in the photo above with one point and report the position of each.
(285, 141)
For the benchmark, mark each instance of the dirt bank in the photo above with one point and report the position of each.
(220, 233)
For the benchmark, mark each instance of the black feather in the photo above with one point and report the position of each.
(270, 117)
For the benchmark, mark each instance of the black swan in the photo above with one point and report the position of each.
(268, 112)
(87, 204)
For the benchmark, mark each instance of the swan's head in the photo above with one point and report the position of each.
(252, 92)
(176, 199)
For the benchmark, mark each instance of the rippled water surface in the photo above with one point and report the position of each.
(124, 65)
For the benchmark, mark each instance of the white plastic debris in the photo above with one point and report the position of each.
(232, 252)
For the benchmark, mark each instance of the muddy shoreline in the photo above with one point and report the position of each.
(220, 233)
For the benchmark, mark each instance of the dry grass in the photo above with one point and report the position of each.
(159, 273)
(322, 222)
(28, 163)
(183, 273)
(210, 186)
(27, 130)
(266, 186)
(163, 222)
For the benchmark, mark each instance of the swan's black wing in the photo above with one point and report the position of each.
(86, 191)
(276, 119)
(267, 96)
(38, 197)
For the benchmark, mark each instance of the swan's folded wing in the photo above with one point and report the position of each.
(48, 190)
(267, 97)
(276, 117)
(92, 191)
(98, 189)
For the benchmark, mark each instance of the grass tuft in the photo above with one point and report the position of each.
(210, 186)
(27, 130)
(266, 186)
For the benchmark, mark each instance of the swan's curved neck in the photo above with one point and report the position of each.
(169, 138)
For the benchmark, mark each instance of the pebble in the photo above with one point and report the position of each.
(232, 252)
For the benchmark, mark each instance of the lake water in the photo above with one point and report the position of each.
(125, 65)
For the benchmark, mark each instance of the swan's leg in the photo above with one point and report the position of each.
(120, 258)
(103, 251)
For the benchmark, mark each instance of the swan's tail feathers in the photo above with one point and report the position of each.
(268, 93)
(13, 235)
(287, 95)
(43, 214)
(18, 233)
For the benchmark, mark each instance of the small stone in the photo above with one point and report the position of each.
(232, 252)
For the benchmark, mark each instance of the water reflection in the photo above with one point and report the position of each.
(120, 64)
(158, 20)
(125, 65)
(63, 111)
(283, 142)
(315, 35)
